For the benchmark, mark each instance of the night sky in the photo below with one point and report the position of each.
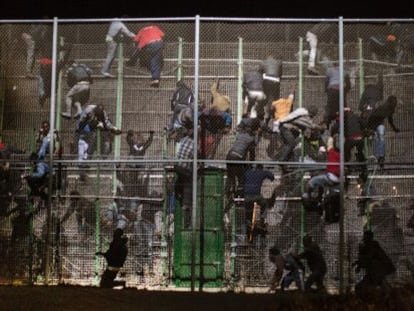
(26, 9)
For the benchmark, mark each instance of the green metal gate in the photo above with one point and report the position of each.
(209, 265)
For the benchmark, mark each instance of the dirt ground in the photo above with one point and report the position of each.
(63, 298)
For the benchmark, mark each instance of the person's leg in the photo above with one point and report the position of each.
(289, 143)
(68, 102)
(110, 55)
(251, 101)
(134, 57)
(82, 149)
(312, 39)
(272, 93)
(30, 50)
(380, 143)
(156, 62)
(309, 282)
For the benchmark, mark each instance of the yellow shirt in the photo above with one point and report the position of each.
(282, 107)
(220, 102)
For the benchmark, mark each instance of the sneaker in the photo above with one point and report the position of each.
(381, 162)
(155, 83)
(107, 75)
(128, 63)
(313, 71)
(42, 100)
(66, 115)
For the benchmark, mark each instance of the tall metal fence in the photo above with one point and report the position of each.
(134, 180)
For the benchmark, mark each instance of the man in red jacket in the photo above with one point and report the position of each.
(150, 46)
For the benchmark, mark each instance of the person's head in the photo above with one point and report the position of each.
(180, 83)
(307, 240)
(273, 253)
(368, 236)
(100, 113)
(392, 101)
(74, 195)
(118, 233)
(45, 126)
(336, 144)
(313, 110)
(255, 124)
(33, 157)
(274, 250)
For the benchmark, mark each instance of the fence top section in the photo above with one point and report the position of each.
(204, 18)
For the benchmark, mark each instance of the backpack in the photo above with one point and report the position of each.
(77, 73)
(331, 205)
(183, 95)
(214, 120)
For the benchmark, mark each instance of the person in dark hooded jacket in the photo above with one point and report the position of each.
(115, 257)
(375, 261)
(316, 262)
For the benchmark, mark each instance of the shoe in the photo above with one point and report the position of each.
(155, 83)
(107, 75)
(42, 100)
(381, 162)
(313, 71)
(66, 115)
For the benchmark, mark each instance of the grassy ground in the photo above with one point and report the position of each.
(91, 298)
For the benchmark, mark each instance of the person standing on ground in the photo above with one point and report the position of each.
(316, 262)
(115, 257)
(377, 264)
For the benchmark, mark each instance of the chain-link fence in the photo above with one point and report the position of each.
(118, 102)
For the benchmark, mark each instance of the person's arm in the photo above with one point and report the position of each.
(252, 151)
(149, 141)
(347, 81)
(214, 89)
(380, 84)
(269, 175)
(294, 114)
(227, 119)
(40, 171)
(124, 30)
(274, 283)
(391, 122)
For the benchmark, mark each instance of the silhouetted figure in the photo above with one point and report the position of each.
(376, 263)
(115, 257)
(316, 262)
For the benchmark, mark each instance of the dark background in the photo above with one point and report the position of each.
(26, 9)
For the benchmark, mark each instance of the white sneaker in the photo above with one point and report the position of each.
(107, 75)
(66, 115)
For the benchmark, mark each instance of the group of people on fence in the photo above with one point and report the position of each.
(265, 113)
(289, 268)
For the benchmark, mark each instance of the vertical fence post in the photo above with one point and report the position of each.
(341, 250)
(240, 82)
(118, 113)
(180, 59)
(51, 148)
(98, 204)
(300, 103)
